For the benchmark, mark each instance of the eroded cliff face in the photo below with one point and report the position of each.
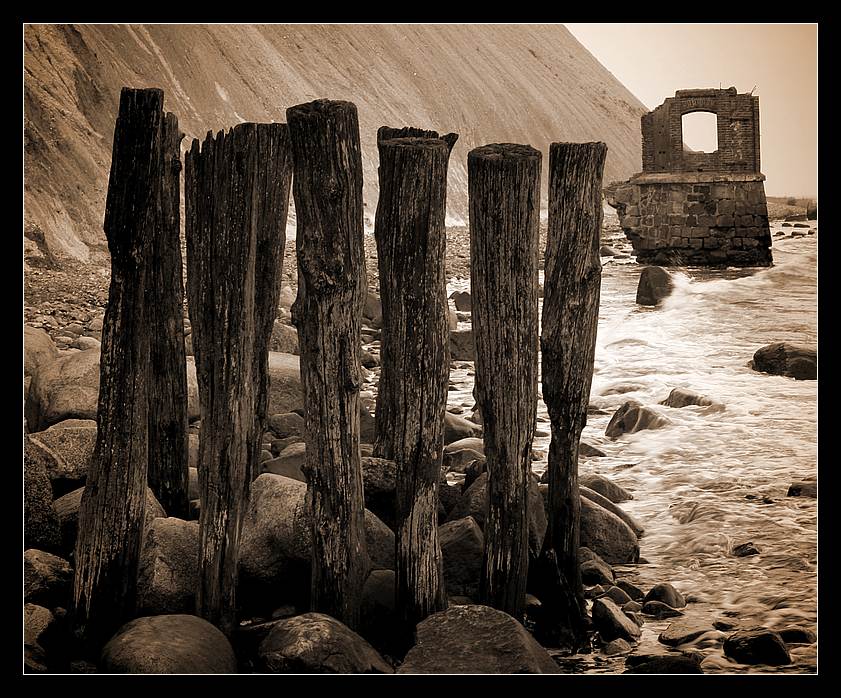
(488, 83)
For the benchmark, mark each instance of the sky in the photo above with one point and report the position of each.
(778, 62)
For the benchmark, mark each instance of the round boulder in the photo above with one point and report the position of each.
(655, 284)
(632, 417)
(606, 488)
(168, 573)
(286, 394)
(40, 520)
(462, 346)
(47, 579)
(784, 359)
(757, 646)
(462, 300)
(65, 388)
(462, 546)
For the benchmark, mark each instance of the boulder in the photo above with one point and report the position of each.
(286, 393)
(287, 424)
(367, 425)
(757, 646)
(168, 573)
(474, 502)
(38, 625)
(367, 359)
(475, 639)
(193, 404)
(193, 483)
(662, 664)
(373, 308)
(798, 636)
(170, 644)
(632, 417)
(64, 388)
(632, 607)
(314, 643)
(655, 284)
(660, 610)
(606, 488)
(588, 451)
(67, 508)
(47, 579)
(803, 489)
(596, 572)
(378, 622)
(784, 359)
(287, 297)
(70, 450)
(452, 319)
(630, 589)
(605, 503)
(462, 347)
(457, 428)
(666, 594)
(41, 524)
(448, 497)
(474, 443)
(38, 350)
(744, 550)
(462, 546)
(289, 463)
(276, 547)
(682, 631)
(284, 339)
(607, 251)
(617, 646)
(611, 622)
(458, 461)
(462, 300)
(683, 397)
(607, 535)
(615, 594)
(379, 480)
(84, 343)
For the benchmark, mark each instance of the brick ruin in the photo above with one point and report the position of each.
(688, 207)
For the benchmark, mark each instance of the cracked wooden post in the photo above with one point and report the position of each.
(504, 200)
(327, 187)
(234, 189)
(412, 395)
(168, 444)
(113, 505)
(569, 323)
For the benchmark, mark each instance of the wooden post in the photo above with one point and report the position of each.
(327, 312)
(412, 395)
(504, 193)
(114, 501)
(168, 444)
(234, 189)
(570, 320)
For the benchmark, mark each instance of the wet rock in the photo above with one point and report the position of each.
(277, 446)
(618, 646)
(588, 451)
(475, 640)
(462, 300)
(70, 450)
(171, 644)
(38, 624)
(286, 394)
(462, 546)
(85, 343)
(367, 425)
(798, 636)
(784, 359)
(65, 388)
(724, 624)
(594, 592)
(803, 489)
(632, 607)
(606, 488)
(607, 535)
(452, 320)
(284, 339)
(660, 610)
(744, 550)
(635, 617)
(462, 347)
(286, 424)
(168, 573)
(473, 443)
(683, 397)
(615, 594)
(667, 664)
(289, 463)
(67, 508)
(630, 589)
(757, 646)
(378, 622)
(448, 497)
(682, 631)
(596, 572)
(38, 350)
(457, 428)
(47, 579)
(655, 284)
(632, 417)
(287, 297)
(314, 643)
(612, 623)
(457, 461)
(367, 359)
(607, 251)
(667, 594)
(40, 519)
(373, 308)
(379, 482)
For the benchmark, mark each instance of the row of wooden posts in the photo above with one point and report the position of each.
(236, 198)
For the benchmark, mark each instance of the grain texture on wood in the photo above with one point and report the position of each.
(327, 187)
(168, 450)
(569, 323)
(504, 192)
(412, 394)
(234, 187)
(114, 501)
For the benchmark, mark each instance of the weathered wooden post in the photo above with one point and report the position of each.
(114, 501)
(504, 192)
(412, 396)
(327, 187)
(234, 186)
(168, 445)
(568, 343)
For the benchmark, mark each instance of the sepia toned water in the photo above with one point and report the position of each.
(712, 479)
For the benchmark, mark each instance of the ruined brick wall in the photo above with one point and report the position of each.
(737, 117)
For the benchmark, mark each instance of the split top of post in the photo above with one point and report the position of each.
(319, 107)
(504, 151)
(415, 143)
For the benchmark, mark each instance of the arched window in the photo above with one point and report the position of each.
(700, 131)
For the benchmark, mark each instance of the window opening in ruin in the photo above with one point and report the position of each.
(700, 131)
